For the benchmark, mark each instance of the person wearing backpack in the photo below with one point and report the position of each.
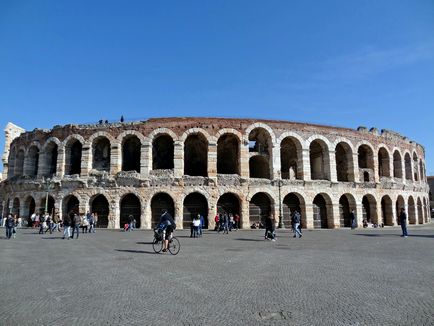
(296, 220)
(9, 224)
(75, 225)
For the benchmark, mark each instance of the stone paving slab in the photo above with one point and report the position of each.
(329, 277)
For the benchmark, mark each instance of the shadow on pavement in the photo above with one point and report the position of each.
(251, 240)
(136, 251)
(144, 243)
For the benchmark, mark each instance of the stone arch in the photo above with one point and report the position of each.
(32, 161)
(397, 164)
(100, 207)
(130, 205)
(229, 203)
(319, 158)
(400, 203)
(101, 151)
(160, 201)
(344, 162)
(16, 207)
(383, 162)
(29, 208)
(420, 211)
(71, 205)
(165, 131)
(228, 154)
(196, 154)
(260, 207)
(291, 157)
(50, 154)
(416, 172)
(195, 203)
(260, 145)
(262, 125)
(411, 210)
(19, 162)
(347, 203)
(369, 209)
(291, 202)
(73, 154)
(322, 211)
(131, 152)
(407, 163)
(195, 131)
(163, 151)
(366, 161)
(100, 134)
(387, 210)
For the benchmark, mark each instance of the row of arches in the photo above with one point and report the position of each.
(321, 210)
(352, 164)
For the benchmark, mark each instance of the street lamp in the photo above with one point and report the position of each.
(48, 186)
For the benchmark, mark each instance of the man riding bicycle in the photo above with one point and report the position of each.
(167, 223)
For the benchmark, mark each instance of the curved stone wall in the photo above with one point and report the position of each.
(207, 165)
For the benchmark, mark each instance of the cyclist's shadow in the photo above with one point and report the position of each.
(136, 251)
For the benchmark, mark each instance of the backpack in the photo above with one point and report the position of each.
(10, 223)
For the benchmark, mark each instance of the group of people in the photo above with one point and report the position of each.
(131, 225)
(196, 226)
(226, 222)
(270, 226)
(73, 222)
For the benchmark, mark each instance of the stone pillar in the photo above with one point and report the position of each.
(146, 217)
(145, 159)
(179, 214)
(60, 168)
(356, 167)
(332, 164)
(212, 159)
(114, 217)
(306, 167)
(86, 160)
(42, 166)
(359, 214)
(376, 169)
(309, 216)
(178, 160)
(333, 221)
(245, 216)
(275, 168)
(244, 159)
(83, 206)
(115, 158)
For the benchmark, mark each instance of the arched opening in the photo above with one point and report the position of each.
(420, 211)
(319, 160)
(194, 204)
(347, 203)
(100, 206)
(159, 202)
(101, 154)
(11, 162)
(51, 153)
(71, 205)
(387, 210)
(6, 208)
(407, 160)
(32, 162)
(163, 152)
(290, 159)
(369, 209)
(415, 167)
(228, 154)
(19, 163)
(366, 162)
(400, 203)
(397, 165)
(426, 211)
(422, 172)
(258, 167)
(320, 212)
(16, 207)
(230, 204)
(290, 204)
(130, 206)
(344, 162)
(29, 208)
(131, 149)
(259, 208)
(383, 163)
(73, 152)
(196, 155)
(411, 211)
(260, 149)
(47, 208)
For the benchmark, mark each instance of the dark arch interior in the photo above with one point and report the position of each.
(343, 157)
(344, 212)
(72, 206)
(228, 203)
(397, 165)
(101, 154)
(383, 163)
(258, 167)
(411, 211)
(259, 208)
(130, 205)
(158, 203)
(365, 157)
(398, 205)
(415, 167)
(228, 154)
(386, 210)
(196, 156)
(51, 153)
(33, 161)
(317, 161)
(407, 159)
(366, 209)
(19, 163)
(100, 206)
(73, 158)
(319, 213)
(16, 207)
(131, 154)
(194, 204)
(162, 153)
(290, 204)
(289, 159)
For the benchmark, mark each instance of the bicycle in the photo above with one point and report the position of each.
(158, 242)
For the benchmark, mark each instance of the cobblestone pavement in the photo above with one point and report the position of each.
(328, 277)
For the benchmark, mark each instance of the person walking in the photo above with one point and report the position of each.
(49, 226)
(296, 219)
(202, 221)
(91, 223)
(270, 229)
(131, 223)
(403, 220)
(216, 221)
(353, 219)
(9, 225)
(75, 225)
(41, 224)
(67, 227)
(225, 223)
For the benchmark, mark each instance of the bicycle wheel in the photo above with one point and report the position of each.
(174, 246)
(157, 245)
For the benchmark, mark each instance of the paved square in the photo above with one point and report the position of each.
(329, 277)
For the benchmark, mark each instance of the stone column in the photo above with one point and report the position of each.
(83, 205)
(359, 214)
(334, 219)
(212, 159)
(306, 166)
(332, 165)
(179, 214)
(146, 216)
(114, 217)
(376, 169)
(244, 159)
(356, 167)
(115, 158)
(309, 216)
(42, 166)
(86, 160)
(178, 159)
(60, 168)
(275, 168)
(145, 159)
(245, 216)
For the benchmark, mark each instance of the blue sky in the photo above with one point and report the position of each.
(345, 63)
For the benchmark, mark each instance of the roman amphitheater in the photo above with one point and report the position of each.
(254, 168)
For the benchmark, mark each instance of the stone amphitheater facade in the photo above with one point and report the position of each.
(249, 167)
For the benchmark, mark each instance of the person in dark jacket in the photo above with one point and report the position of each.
(403, 220)
(353, 220)
(168, 223)
(270, 229)
(66, 227)
(296, 222)
(9, 225)
(75, 225)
